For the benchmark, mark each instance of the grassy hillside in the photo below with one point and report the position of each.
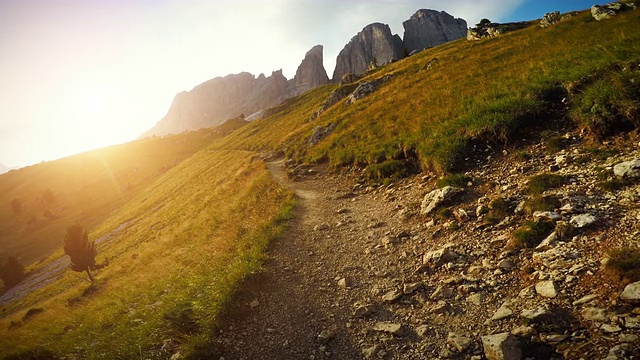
(85, 188)
(190, 216)
(475, 91)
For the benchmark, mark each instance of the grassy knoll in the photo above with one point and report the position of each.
(193, 235)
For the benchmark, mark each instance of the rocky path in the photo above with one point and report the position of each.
(364, 273)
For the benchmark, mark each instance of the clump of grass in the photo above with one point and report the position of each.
(457, 180)
(608, 104)
(500, 206)
(389, 169)
(554, 144)
(523, 156)
(532, 233)
(444, 213)
(541, 203)
(625, 261)
(613, 184)
(540, 183)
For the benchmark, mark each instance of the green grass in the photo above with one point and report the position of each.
(532, 233)
(541, 203)
(457, 180)
(540, 183)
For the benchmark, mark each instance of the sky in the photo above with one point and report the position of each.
(77, 75)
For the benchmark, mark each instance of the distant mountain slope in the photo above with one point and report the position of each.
(4, 168)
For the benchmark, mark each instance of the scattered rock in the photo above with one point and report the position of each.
(546, 289)
(549, 19)
(627, 169)
(370, 352)
(631, 293)
(392, 296)
(595, 314)
(254, 304)
(608, 328)
(365, 89)
(439, 257)
(364, 310)
(325, 336)
(344, 283)
(459, 342)
(408, 289)
(503, 312)
(503, 346)
(389, 327)
(582, 221)
(436, 197)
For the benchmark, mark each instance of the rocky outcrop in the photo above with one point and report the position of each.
(429, 28)
(549, 19)
(603, 12)
(373, 45)
(212, 102)
(487, 29)
(310, 73)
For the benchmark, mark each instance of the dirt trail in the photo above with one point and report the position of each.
(280, 313)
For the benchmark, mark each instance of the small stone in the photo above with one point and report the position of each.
(441, 307)
(632, 322)
(536, 315)
(364, 310)
(344, 283)
(389, 327)
(392, 296)
(586, 299)
(503, 346)
(433, 199)
(631, 293)
(610, 328)
(325, 336)
(628, 338)
(441, 292)
(422, 330)
(546, 289)
(439, 257)
(254, 304)
(554, 338)
(370, 352)
(476, 299)
(627, 169)
(459, 342)
(582, 220)
(524, 331)
(321, 227)
(595, 314)
(506, 264)
(503, 312)
(408, 289)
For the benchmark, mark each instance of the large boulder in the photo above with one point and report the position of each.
(429, 28)
(310, 73)
(374, 44)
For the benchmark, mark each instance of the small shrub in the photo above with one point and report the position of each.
(457, 180)
(542, 182)
(532, 233)
(541, 203)
(625, 261)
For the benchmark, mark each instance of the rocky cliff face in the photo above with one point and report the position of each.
(310, 73)
(429, 28)
(213, 102)
(374, 42)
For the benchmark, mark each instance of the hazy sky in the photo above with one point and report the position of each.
(81, 74)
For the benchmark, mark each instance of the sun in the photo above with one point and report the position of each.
(91, 103)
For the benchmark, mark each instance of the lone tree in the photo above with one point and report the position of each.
(81, 251)
(11, 272)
